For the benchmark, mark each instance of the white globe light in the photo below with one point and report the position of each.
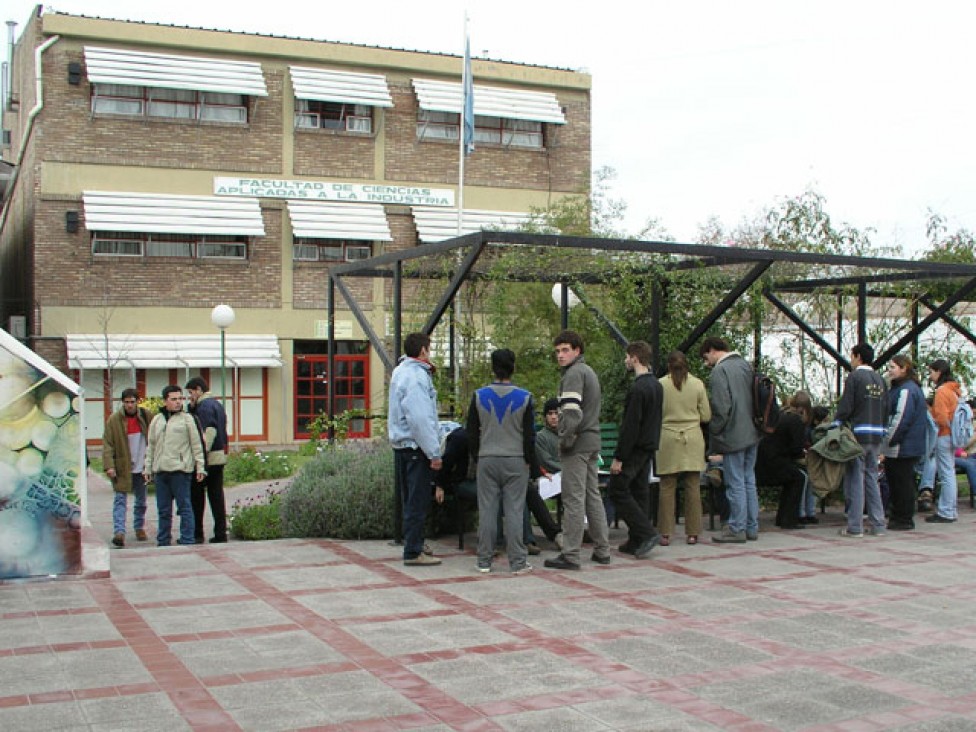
(222, 316)
(557, 296)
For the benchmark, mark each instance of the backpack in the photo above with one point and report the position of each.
(961, 426)
(765, 407)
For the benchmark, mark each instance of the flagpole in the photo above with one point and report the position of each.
(465, 146)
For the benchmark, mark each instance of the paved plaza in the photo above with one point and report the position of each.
(804, 630)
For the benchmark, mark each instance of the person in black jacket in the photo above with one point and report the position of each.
(638, 440)
(779, 460)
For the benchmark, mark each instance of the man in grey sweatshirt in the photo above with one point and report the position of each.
(579, 449)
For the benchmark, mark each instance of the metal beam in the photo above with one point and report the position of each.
(453, 286)
(719, 310)
(802, 325)
(955, 324)
(364, 323)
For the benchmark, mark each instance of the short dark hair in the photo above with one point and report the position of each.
(641, 350)
(197, 383)
(571, 338)
(414, 343)
(169, 389)
(865, 352)
(551, 405)
(713, 343)
(503, 363)
(130, 393)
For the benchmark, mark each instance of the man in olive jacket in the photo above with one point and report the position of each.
(732, 434)
(124, 458)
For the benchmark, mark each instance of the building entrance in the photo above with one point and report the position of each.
(312, 388)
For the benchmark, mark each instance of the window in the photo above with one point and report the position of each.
(199, 246)
(315, 114)
(487, 130)
(148, 101)
(330, 250)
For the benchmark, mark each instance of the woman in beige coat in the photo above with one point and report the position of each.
(681, 455)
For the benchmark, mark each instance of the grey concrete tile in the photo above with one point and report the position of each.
(163, 562)
(35, 673)
(634, 576)
(755, 568)
(417, 635)
(578, 617)
(714, 600)
(310, 578)
(830, 587)
(280, 553)
(369, 603)
(948, 724)
(670, 654)
(565, 719)
(214, 616)
(89, 669)
(272, 717)
(633, 711)
(77, 628)
(61, 716)
(124, 709)
(785, 713)
(477, 678)
(254, 653)
(57, 596)
(185, 588)
(504, 590)
(819, 631)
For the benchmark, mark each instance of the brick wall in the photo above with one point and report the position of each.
(68, 274)
(154, 142)
(332, 154)
(563, 166)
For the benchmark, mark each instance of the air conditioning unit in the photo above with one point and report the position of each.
(17, 327)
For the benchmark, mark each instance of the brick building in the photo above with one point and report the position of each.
(163, 171)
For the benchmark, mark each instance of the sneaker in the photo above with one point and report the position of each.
(533, 549)
(427, 550)
(644, 549)
(484, 569)
(558, 541)
(141, 535)
(626, 548)
(422, 560)
(522, 570)
(600, 560)
(849, 534)
(560, 562)
(877, 531)
(119, 539)
(218, 539)
(937, 518)
(730, 537)
(752, 536)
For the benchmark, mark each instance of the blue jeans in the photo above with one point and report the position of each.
(173, 487)
(948, 492)
(415, 477)
(740, 488)
(808, 503)
(861, 490)
(968, 464)
(927, 482)
(120, 506)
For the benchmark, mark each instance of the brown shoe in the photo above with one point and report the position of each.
(422, 560)
(119, 539)
(141, 535)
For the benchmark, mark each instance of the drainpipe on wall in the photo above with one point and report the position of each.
(29, 128)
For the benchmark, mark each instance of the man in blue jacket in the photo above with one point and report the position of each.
(864, 406)
(212, 418)
(413, 433)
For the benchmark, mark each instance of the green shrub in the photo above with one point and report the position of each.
(345, 492)
(250, 465)
(257, 518)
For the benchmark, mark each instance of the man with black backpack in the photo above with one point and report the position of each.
(732, 433)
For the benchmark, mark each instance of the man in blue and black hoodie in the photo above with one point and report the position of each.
(864, 407)
(501, 437)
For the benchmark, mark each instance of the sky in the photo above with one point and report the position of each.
(703, 108)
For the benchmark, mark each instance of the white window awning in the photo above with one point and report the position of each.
(158, 214)
(490, 101)
(326, 85)
(438, 224)
(330, 220)
(96, 351)
(138, 68)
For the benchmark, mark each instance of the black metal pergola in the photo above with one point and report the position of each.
(868, 277)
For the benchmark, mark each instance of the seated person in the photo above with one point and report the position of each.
(453, 478)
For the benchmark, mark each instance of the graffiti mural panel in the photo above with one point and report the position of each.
(42, 476)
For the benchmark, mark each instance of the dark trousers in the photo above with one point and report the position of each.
(211, 491)
(630, 490)
(414, 477)
(537, 506)
(900, 473)
(791, 479)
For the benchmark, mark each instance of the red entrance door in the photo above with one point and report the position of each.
(312, 390)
